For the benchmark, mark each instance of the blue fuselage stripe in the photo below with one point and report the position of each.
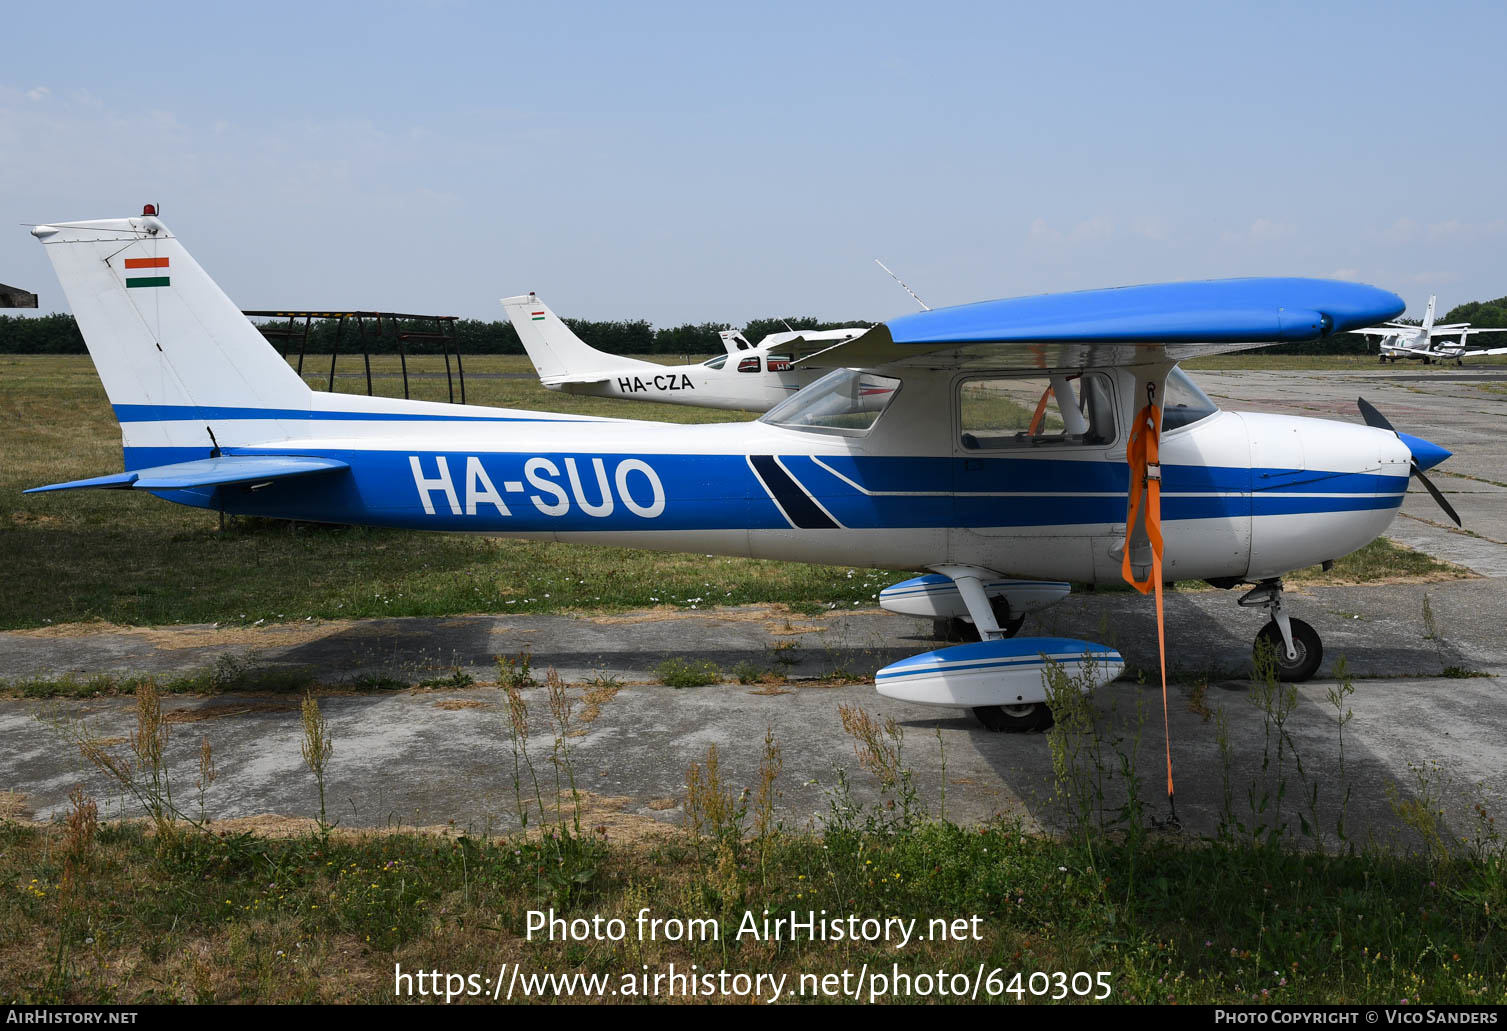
(527, 492)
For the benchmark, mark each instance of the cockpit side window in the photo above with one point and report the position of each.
(1184, 403)
(844, 401)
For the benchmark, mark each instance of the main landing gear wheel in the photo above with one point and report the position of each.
(1015, 719)
(958, 629)
(1305, 641)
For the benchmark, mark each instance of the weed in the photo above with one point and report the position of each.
(1420, 807)
(747, 672)
(765, 795)
(317, 747)
(513, 670)
(207, 773)
(1338, 695)
(680, 672)
(879, 747)
(456, 678)
(563, 860)
(711, 809)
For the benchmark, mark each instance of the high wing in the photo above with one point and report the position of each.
(225, 471)
(805, 343)
(1126, 326)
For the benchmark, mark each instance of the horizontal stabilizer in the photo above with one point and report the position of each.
(554, 382)
(224, 471)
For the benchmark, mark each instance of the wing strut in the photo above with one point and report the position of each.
(1143, 533)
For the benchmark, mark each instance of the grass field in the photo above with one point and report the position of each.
(134, 559)
(1271, 909)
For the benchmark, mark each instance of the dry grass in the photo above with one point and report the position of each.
(220, 712)
(13, 806)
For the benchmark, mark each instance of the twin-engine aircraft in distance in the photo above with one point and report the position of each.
(1043, 439)
(1426, 342)
(749, 377)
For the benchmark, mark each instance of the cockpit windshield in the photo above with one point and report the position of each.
(715, 363)
(1184, 403)
(844, 401)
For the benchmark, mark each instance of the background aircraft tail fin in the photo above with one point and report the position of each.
(172, 351)
(1428, 315)
(557, 353)
(734, 341)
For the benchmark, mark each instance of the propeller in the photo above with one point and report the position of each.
(1374, 418)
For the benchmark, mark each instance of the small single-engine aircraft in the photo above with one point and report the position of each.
(1047, 438)
(1426, 342)
(750, 377)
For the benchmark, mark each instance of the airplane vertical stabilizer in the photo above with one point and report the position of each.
(557, 353)
(172, 350)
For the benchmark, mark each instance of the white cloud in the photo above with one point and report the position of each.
(1267, 229)
(1151, 227)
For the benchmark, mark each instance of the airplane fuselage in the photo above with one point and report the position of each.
(1250, 495)
(700, 385)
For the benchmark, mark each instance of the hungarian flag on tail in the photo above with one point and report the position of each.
(149, 265)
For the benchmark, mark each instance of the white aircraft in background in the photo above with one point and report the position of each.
(1031, 437)
(1424, 342)
(750, 377)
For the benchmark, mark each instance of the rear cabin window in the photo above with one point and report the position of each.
(1017, 412)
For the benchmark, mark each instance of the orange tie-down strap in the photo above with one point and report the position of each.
(1144, 458)
(1145, 490)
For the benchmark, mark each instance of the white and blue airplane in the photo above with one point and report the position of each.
(1426, 341)
(977, 445)
(747, 377)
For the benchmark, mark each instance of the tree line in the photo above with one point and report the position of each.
(58, 334)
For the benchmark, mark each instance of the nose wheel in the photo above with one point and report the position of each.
(1308, 650)
(1295, 646)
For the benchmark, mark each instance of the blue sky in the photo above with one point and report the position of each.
(693, 162)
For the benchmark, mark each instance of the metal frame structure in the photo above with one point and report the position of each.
(370, 327)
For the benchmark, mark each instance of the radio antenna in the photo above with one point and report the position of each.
(923, 304)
